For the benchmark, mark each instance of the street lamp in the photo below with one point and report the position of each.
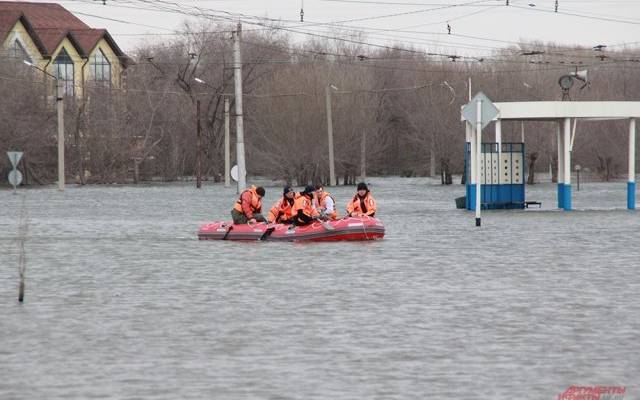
(60, 107)
(332, 169)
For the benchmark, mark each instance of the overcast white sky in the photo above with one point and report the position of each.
(418, 23)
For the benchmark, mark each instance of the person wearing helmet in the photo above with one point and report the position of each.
(249, 206)
(363, 203)
(303, 212)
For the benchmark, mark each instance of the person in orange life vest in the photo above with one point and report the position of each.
(363, 203)
(303, 212)
(249, 206)
(281, 210)
(326, 204)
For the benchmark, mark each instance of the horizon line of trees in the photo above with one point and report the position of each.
(395, 112)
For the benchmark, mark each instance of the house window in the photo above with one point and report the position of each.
(101, 69)
(65, 72)
(17, 51)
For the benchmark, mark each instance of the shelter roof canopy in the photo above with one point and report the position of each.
(554, 110)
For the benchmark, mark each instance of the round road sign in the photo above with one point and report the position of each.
(15, 177)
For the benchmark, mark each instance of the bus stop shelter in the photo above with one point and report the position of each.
(563, 112)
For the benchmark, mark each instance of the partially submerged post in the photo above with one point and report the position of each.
(22, 237)
(227, 152)
(237, 65)
(60, 106)
(198, 147)
(477, 156)
(631, 180)
(332, 168)
(479, 111)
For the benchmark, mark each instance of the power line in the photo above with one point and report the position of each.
(400, 3)
(574, 14)
(122, 21)
(181, 10)
(201, 13)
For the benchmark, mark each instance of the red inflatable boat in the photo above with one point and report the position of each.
(350, 228)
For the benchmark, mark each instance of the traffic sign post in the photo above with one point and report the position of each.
(14, 157)
(15, 176)
(236, 177)
(479, 111)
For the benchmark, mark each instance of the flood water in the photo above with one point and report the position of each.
(123, 302)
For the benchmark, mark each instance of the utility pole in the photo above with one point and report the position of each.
(60, 105)
(363, 156)
(332, 169)
(227, 152)
(198, 147)
(237, 68)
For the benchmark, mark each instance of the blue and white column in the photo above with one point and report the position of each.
(471, 195)
(478, 151)
(631, 182)
(566, 192)
(499, 136)
(560, 181)
(468, 136)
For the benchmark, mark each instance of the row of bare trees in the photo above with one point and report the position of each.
(395, 112)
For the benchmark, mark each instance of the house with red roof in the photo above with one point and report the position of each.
(56, 41)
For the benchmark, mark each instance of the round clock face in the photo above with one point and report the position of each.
(565, 81)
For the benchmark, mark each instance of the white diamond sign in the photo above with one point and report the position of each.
(488, 110)
(14, 157)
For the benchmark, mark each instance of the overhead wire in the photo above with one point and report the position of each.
(440, 54)
(166, 8)
(576, 14)
(308, 33)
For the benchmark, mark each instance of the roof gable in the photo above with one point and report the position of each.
(49, 24)
(44, 15)
(9, 20)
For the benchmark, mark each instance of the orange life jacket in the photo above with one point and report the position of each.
(281, 210)
(305, 204)
(254, 206)
(355, 206)
(322, 204)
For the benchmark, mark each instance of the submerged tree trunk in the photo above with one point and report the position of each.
(445, 173)
(78, 142)
(432, 163)
(533, 157)
(136, 170)
(604, 167)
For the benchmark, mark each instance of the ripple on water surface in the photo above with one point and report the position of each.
(123, 302)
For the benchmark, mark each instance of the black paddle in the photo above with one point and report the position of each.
(267, 233)
(227, 233)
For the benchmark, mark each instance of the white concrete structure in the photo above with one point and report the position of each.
(563, 112)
